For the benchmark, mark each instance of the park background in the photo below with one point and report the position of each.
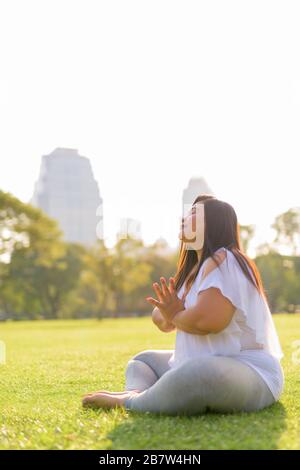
(154, 94)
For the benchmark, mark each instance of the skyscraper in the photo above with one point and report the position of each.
(67, 191)
(195, 187)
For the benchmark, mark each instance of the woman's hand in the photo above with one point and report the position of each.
(169, 303)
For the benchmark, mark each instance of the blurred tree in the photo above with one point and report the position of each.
(246, 234)
(287, 227)
(38, 268)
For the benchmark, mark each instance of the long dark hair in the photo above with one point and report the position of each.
(221, 230)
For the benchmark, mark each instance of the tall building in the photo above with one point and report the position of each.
(67, 191)
(195, 187)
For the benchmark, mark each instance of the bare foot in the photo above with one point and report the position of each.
(103, 400)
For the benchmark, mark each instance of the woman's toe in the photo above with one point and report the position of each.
(97, 400)
(102, 400)
(85, 401)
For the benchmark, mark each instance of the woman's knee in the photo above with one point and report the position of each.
(141, 356)
(138, 357)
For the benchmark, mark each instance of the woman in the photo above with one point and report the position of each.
(227, 353)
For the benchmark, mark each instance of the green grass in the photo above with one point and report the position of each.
(51, 364)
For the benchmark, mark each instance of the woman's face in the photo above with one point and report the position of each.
(192, 227)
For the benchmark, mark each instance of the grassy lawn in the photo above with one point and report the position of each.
(51, 364)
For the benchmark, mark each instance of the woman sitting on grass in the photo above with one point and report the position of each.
(227, 353)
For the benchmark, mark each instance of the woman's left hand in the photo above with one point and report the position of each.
(169, 303)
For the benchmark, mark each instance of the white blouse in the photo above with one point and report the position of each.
(250, 337)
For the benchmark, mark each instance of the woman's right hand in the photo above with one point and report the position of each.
(167, 300)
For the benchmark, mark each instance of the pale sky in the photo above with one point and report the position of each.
(153, 93)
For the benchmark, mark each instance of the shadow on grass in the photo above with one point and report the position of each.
(255, 430)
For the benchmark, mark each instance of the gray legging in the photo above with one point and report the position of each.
(213, 383)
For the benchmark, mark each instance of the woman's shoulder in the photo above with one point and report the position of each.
(212, 263)
(225, 269)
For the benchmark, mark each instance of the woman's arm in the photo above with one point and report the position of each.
(160, 321)
(211, 314)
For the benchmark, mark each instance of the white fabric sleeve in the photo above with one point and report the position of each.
(220, 277)
(252, 308)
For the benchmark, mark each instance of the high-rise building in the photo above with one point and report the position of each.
(67, 191)
(195, 187)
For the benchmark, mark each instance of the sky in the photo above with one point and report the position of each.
(154, 93)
